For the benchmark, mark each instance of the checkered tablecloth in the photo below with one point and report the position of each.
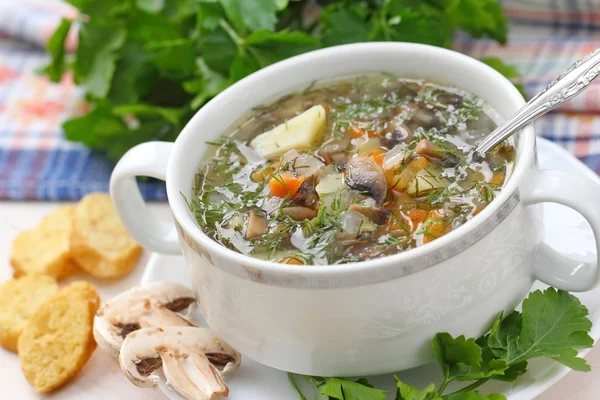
(546, 36)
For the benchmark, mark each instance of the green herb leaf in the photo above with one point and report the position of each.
(102, 10)
(209, 15)
(242, 66)
(267, 48)
(147, 27)
(96, 56)
(413, 21)
(292, 379)
(285, 36)
(56, 48)
(344, 389)
(218, 50)
(489, 367)
(256, 14)
(134, 74)
(151, 6)
(472, 395)
(480, 17)
(344, 24)
(554, 324)
(408, 392)
(208, 85)
(172, 115)
(95, 128)
(174, 58)
(450, 351)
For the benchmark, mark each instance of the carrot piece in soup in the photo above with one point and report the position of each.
(291, 260)
(434, 226)
(285, 183)
(498, 179)
(356, 131)
(376, 155)
(417, 216)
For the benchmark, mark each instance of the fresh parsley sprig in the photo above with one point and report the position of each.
(147, 66)
(552, 324)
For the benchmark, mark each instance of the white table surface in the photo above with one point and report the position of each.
(101, 377)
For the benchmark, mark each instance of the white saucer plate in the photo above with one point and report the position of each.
(565, 230)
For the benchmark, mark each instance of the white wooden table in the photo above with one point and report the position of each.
(101, 377)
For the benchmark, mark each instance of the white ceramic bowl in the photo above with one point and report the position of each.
(374, 316)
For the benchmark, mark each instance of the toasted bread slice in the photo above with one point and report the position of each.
(18, 301)
(45, 249)
(58, 339)
(99, 243)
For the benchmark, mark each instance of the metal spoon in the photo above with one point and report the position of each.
(568, 85)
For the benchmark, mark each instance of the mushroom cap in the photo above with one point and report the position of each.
(154, 304)
(366, 176)
(192, 358)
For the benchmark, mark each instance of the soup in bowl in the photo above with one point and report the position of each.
(256, 218)
(350, 170)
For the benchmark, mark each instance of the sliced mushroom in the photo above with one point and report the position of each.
(424, 117)
(299, 213)
(339, 159)
(396, 133)
(447, 98)
(306, 196)
(450, 160)
(366, 176)
(377, 214)
(257, 225)
(155, 304)
(336, 145)
(192, 359)
(367, 249)
(427, 148)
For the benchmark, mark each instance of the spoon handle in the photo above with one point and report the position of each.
(568, 85)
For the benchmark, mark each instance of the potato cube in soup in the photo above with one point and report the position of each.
(300, 133)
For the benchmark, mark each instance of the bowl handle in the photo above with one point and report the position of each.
(146, 159)
(582, 195)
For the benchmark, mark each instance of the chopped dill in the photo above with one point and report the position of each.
(234, 184)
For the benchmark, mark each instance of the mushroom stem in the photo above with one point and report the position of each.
(186, 354)
(162, 317)
(193, 377)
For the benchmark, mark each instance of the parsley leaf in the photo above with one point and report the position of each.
(255, 14)
(408, 392)
(344, 389)
(464, 359)
(56, 48)
(205, 86)
(553, 324)
(450, 351)
(342, 25)
(96, 56)
(473, 396)
(480, 18)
